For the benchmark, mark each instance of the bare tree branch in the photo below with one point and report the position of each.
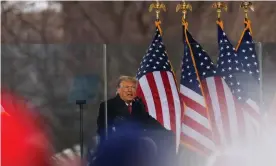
(139, 17)
(93, 24)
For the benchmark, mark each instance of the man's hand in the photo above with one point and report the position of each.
(73, 160)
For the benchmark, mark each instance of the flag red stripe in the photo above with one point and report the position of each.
(194, 105)
(240, 119)
(170, 99)
(197, 127)
(139, 92)
(216, 135)
(193, 124)
(156, 97)
(252, 112)
(223, 108)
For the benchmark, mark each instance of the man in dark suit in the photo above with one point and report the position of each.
(124, 107)
(129, 123)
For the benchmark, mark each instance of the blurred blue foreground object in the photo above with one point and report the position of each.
(132, 145)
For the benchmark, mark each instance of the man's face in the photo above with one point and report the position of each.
(127, 90)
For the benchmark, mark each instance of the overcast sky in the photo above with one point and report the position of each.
(34, 6)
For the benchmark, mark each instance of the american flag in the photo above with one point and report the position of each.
(247, 53)
(251, 76)
(242, 110)
(221, 105)
(196, 127)
(157, 86)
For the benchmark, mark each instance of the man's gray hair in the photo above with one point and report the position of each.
(126, 78)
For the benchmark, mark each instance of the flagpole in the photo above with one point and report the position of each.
(247, 6)
(184, 8)
(105, 90)
(260, 55)
(219, 6)
(158, 8)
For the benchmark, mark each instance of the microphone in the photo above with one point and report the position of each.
(83, 89)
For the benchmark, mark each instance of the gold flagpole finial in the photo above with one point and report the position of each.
(185, 7)
(158, 6)
(246, 6)
(219, 6)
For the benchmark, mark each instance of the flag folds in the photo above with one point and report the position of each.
(250, 79)
(245, 117)
(157, 86)
(196, 67)
(219, 110)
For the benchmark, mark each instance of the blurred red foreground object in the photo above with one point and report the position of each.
(23, 143)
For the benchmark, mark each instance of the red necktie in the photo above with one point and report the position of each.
(130, 108)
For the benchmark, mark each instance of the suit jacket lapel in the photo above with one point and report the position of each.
(121, 105)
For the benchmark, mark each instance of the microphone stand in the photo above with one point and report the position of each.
(81, 103)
